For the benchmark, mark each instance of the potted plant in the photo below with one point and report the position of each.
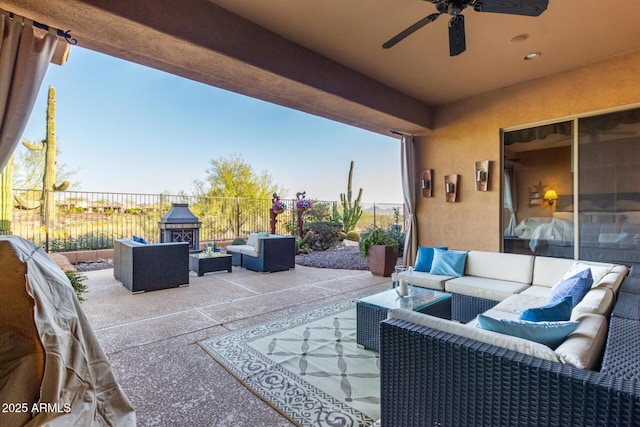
(380, 250)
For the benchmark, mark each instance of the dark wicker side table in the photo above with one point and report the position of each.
(372, 310)
(204, 263)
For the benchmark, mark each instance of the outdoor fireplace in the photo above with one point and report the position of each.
(180, 225)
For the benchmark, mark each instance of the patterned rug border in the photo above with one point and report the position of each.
(273, 327)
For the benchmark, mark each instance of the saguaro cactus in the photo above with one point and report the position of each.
(351, 211)
(47, 202)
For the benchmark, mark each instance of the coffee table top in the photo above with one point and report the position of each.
(202, 255)
(420, 299)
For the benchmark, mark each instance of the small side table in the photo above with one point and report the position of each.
(372, 310)
(206, 263)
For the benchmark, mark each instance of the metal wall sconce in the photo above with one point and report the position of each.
(482, 175)
(426, 183)
(451, 188)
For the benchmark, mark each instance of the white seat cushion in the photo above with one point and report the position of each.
(427, 280)
(500, 266)
(480, 287)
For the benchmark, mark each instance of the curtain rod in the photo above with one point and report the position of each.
(66, 35)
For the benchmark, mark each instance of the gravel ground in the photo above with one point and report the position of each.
(340, 257)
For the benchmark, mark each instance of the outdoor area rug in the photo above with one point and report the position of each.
(307, 366)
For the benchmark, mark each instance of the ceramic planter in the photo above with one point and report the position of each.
(382, 259)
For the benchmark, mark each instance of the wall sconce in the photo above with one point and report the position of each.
(550, 196)
(451, 188)
(426, 183)
(482, 175)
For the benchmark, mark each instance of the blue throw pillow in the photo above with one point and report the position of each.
(448, 263)
(554, 312)
(139, 240)
(551, 334)
(425, 259)
(575, 287)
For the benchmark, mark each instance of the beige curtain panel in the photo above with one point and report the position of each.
(24, 58)
(408, 170)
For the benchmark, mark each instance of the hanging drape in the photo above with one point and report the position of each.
(24, 58)
(509, 197)
(407, 159)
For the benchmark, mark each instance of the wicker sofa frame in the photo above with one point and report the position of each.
(433, 378)
(276, 253)
(150, 267)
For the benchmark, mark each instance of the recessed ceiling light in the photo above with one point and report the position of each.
(532, 55)
(519, 38)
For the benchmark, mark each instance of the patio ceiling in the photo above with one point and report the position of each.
(325, 57)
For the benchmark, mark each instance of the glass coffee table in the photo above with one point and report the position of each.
(372, 310)
(209, 262)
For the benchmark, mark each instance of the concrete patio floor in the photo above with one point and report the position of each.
(151, 338)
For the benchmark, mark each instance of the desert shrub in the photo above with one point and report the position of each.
(353, 235)
(77, 281)
(239, 241)
(325, 235)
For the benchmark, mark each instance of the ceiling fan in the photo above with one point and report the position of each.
(457, 42)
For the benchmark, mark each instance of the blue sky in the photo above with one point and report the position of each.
(132, 129)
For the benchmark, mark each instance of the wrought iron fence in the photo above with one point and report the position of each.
(82, 220)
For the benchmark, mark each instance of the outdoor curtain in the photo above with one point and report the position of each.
(407, 159)
(509, 196)
(24, 58)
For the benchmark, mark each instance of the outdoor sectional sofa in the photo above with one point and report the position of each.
(265, 252)
(440, 372)
(149, 267)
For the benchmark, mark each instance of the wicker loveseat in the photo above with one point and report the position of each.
(265, 252)
(150, 267)
(431, 377)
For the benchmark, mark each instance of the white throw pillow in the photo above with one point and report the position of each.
(597, 271)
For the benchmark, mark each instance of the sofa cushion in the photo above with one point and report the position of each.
(551, 334)
(553, 312)
(584, 347)
(596, 301)
(500, 340)
(500, 266)
(448, 263)
(575, 286)
(598, 271)
(253, 238)
(548, 271)
(480, 287)
(426, 280)
(138, 239)
(425, 258)
(516, 304)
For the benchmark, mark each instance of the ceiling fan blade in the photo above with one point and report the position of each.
(412, 29)
(512, 7)
(457, 41)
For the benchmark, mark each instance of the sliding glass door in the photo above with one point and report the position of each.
(572, 189)
(609, 187)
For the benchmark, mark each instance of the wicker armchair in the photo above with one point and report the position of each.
(149, 267)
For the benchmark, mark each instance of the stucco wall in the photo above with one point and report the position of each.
(469, 130)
